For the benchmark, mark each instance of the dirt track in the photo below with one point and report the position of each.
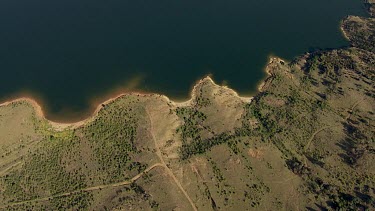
(99, 187)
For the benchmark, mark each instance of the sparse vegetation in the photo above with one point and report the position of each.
(306, 141)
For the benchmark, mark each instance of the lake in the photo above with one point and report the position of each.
(70, 53)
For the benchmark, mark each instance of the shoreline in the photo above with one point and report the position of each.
(342, 28)
(40, 113)
(96, 104)
(99, 104)
(271, 60)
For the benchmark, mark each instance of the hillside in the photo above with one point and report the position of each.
(306, 141)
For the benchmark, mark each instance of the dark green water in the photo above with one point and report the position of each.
(70, 51)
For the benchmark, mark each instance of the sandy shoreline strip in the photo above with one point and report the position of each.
(64, 125)
(342, 29)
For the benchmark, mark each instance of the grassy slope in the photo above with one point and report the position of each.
(306, 141)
